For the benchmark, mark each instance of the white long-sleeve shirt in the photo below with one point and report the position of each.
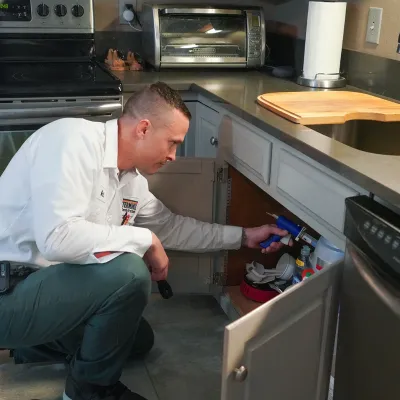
(62, 199)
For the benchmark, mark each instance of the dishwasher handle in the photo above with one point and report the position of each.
(58, 111)
(374, 281)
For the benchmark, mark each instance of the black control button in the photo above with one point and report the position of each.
(77, 10)
(43, 10)
(367, 225)
(60, 10)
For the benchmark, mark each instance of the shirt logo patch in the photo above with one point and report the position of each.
(129, 205)
(128, 209)
(101, 194)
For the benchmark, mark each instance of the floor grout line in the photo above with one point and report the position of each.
(151, 379)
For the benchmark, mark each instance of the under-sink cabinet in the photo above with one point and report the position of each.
(289, 337)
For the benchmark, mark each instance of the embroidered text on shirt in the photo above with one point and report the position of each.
(129, 205)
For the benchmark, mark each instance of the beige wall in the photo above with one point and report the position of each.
(106, 16)
(294, 13)
(356, 25)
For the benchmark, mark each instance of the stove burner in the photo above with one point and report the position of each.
(42, 75)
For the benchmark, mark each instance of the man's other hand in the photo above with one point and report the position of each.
(157, 260)
(254, 236)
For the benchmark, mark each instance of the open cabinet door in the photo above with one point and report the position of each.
(186, 187)
(283, 349)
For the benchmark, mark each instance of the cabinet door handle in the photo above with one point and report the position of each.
(214, 141)
(240, 374)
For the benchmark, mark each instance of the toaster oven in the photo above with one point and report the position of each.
(203, 36)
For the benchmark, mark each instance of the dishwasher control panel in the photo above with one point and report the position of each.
(375, 230)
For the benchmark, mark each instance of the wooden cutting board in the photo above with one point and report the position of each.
(329, 107)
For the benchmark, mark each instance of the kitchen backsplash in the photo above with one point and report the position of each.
(375, 68)
(375, 74)
(294, 13)
(106, 11)
(372, 67)
(110, 33)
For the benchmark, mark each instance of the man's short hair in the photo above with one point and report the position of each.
(152, 101)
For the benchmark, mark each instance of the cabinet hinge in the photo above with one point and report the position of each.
(219, 278)
(222, 175)
(228, 193)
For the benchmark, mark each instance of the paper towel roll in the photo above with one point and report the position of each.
(324, 39)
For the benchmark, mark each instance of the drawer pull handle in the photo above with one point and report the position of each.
(240, 374)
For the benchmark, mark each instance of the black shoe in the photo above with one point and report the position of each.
(85, 391)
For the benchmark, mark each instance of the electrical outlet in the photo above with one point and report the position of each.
(374, 25)
(122, 8)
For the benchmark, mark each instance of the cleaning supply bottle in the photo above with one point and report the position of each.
(302, 262)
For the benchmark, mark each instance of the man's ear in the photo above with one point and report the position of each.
(142, 129)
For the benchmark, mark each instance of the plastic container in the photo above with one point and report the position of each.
(307, 273)
(286, 265)
(325, 254)
(302, 262)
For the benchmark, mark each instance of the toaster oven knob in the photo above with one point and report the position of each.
(43, 10)
(77, 10)
(60, 10)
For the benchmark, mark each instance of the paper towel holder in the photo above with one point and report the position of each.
(339, 82)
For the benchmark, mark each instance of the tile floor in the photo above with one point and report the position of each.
(184, 364)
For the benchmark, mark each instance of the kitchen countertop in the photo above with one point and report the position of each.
(237, 93)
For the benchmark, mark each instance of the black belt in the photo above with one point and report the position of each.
(12, 274)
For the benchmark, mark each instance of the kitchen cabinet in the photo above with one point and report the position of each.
(187, 187)
(285, 346)
(187, 148)
(202, 137)
(306, 188)
(289, 339)
(207, 126)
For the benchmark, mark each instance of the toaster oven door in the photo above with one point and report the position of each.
(192, 38)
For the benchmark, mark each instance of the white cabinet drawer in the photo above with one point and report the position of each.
(251, 150)
(319, 194)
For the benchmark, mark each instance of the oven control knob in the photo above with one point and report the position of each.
(77, 10)
(43, 10)
(60, 10)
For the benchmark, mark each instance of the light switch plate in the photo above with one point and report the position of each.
(374, 25)
(121, 4)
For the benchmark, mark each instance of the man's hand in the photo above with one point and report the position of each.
(157, 260)
(254, 236)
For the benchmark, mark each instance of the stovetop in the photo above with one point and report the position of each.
(56, 79)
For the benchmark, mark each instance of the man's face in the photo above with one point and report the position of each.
(160, 141)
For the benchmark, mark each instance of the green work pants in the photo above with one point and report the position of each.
(91, 313)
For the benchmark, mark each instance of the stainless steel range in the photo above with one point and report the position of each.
(48, 69)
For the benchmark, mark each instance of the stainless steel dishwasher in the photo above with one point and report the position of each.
(368, 353)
